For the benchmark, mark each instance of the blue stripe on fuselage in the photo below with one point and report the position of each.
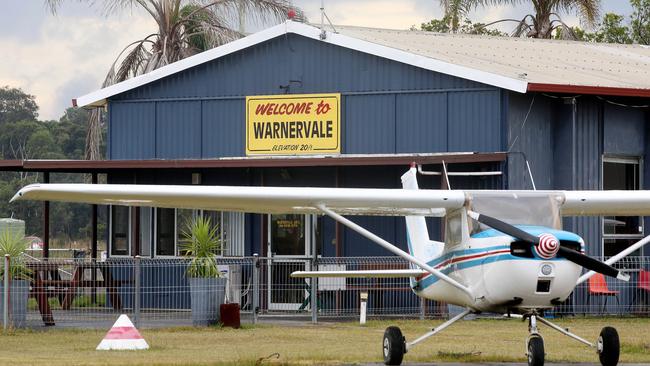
(490, 233)
(430, 280)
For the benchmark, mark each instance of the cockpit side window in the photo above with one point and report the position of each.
(454, 228)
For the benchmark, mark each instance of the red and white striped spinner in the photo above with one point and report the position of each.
(548, 246)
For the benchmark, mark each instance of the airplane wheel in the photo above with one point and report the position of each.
(609, 346)
(535, 350)
(394, 346)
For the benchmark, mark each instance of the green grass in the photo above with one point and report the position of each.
(325, 343)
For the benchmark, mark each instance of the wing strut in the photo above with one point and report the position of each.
(388, 246)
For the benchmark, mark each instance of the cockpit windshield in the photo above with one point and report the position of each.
(519, 208)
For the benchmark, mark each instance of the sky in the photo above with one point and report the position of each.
(63, 56)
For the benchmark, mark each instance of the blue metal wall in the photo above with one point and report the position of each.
(565, 140)
(624, 129)
(530, 135)
(387, 107)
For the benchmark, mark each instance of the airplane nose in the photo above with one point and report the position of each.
(548, 246)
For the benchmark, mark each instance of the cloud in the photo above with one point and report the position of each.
(68, 50)
(373, 13)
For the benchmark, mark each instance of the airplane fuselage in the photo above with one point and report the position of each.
(503, 274)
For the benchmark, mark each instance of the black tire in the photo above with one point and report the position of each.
(609, 346)
(394, 346)
(535, 350)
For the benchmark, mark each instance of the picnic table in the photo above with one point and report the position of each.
(47, 283)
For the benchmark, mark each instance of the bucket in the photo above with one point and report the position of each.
(230, 315)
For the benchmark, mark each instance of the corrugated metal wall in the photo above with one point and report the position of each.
(178, 130)
(565, 140)
(530, 135)
(588, 149)
(624, 129)
(387, 107)
(132, 131)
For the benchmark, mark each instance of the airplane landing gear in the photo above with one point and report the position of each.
(394, 346)
(608, 346)
(535, 350)
(534, 344)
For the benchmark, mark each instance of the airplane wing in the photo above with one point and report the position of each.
(354, 201)
(570, 203)
(606, 203)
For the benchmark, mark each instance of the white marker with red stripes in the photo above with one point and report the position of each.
(123, 336)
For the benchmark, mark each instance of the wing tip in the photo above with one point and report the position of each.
(21, 193)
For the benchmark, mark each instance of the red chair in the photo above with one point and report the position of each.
(598, 287)
(644, 280)
(643, 287)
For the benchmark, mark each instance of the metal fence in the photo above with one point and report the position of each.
(157, 292)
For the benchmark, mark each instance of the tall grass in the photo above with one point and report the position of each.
(14, 245)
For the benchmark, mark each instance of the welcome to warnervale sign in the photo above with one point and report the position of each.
(293, 124)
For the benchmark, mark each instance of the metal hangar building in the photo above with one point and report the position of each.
(490, 112)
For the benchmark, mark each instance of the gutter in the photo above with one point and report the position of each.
(583, 89)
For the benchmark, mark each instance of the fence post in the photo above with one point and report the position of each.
(423, 307)
(136, 301)
(313, 294)
(256, 286)
(5, 290)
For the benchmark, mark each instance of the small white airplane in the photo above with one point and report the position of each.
(520, 264)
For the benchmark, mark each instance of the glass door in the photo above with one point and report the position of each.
(290, 239)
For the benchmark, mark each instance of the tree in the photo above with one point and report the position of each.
(543, 23)
(16, 105)
(444, 26)
(611, 30)
(185, 28)
(455, 10)
(641, 21)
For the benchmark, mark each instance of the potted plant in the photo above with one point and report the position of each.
(14, 244)
(200, 243)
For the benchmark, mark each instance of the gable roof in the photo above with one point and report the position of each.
(545, 65)
(516, 64)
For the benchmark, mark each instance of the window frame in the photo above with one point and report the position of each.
(155, 235)
(621, 159)
(148, 228)
(128, 234)
(223, 232)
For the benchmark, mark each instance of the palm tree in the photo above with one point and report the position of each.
(542, 24)
(185, 28)
(455, 12)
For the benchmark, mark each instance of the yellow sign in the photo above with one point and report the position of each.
(293, 124)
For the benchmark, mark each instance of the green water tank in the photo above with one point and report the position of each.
(13, 225)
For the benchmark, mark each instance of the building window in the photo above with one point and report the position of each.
(619, 232)
(145, 231)
(165, 232)
(184, 217)
(217, 220)
(230, 226)
(120, 239)
(171, 223)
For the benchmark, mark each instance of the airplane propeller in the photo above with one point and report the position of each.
(543, 243)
